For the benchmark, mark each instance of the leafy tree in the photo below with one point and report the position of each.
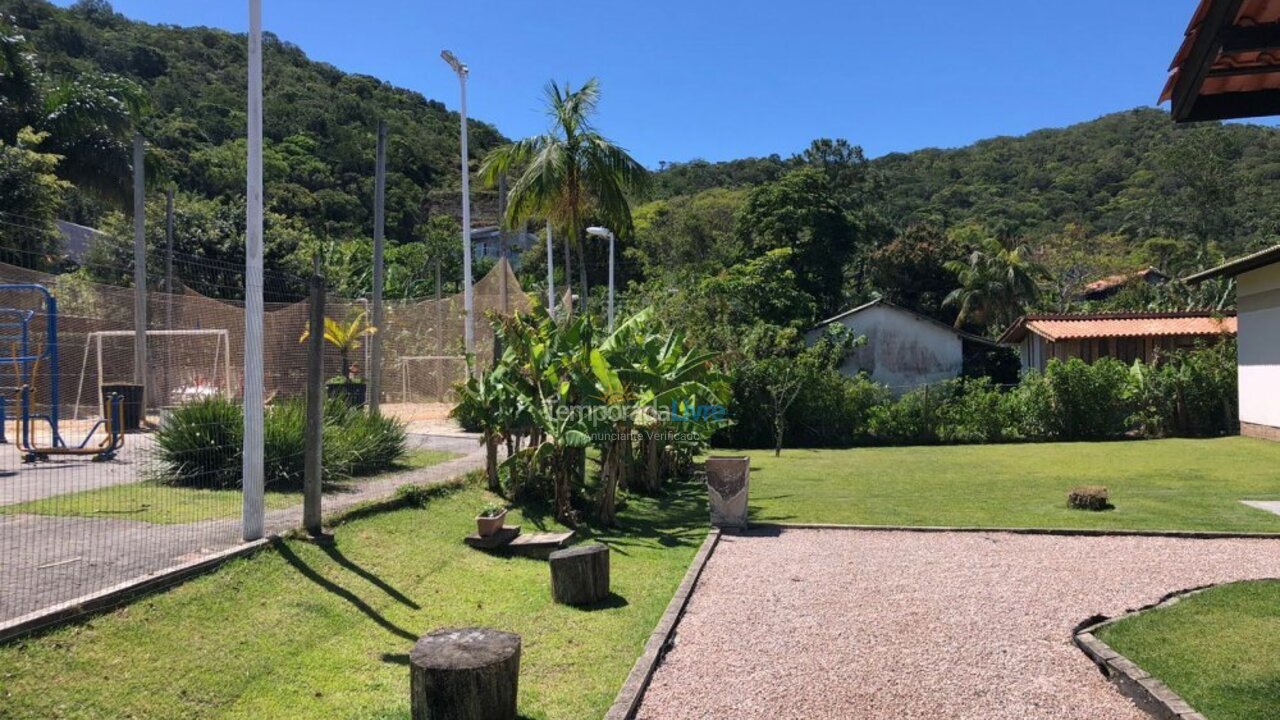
(569, 173)
(997, 281)
(911, 270)
(29, 185)
(800, 212)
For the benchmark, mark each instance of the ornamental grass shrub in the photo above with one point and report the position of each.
(201, 444)
(1089, 497)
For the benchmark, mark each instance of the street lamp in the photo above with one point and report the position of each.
(606, 233)
(463, 71)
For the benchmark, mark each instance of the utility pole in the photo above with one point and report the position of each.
(379, 229)
(502, 238)
(253, 519)
(167, 384)
(313, 460)
(140, 270)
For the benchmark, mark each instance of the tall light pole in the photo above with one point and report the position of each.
(606, 233)
(469, 330)
(252, 484)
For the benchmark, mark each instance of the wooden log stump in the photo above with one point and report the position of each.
(580, 575)
(464, 674)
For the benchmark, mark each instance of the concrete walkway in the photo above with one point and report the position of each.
(899, 625)
(45, 560)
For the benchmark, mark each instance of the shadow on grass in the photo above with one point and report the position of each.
(336, 555)
(356, 601)
(612, 602)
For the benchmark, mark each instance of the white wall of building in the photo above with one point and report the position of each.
(902, 350)
(1259, 304)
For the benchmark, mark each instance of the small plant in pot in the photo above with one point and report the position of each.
(346, 338)
(490, 520)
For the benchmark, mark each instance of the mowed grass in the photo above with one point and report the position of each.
(155, 502)
(302, 631)
(1219, 650)
(1155, 485)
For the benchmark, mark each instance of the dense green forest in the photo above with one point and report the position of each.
(930, 229)
(188, 99)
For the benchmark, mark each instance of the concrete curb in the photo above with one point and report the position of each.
(627, 702)
(124, 592)
(1147, 692)
(1066, 532)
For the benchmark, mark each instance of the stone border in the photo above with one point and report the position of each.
(1068, 532)
(628, 699)
(1146, 691)
(122, 593)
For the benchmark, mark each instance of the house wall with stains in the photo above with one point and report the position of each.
(903, 350)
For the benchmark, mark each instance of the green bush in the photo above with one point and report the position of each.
(979, 412)
(200, 444)
(1091, 401)
(1190, 393)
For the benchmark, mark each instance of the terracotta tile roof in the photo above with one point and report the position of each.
(1099, 325)
(1230, 72)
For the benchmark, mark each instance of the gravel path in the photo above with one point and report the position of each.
(868, 624)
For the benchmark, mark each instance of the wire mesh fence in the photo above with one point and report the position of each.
(107, 476)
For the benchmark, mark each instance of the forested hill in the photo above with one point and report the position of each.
(320, 122)
(1131, 173)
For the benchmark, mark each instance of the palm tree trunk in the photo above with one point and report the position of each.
(582, 276)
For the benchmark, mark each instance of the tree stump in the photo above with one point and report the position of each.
(580, 575)
(464, 674)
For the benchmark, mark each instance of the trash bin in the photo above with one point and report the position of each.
(131, 400)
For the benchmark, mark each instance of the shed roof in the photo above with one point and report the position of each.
(1101, 325)
(1114, 281)
(1229, 63)
(1239, 266)
(880, 302)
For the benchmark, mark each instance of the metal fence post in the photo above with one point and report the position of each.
(313, 468)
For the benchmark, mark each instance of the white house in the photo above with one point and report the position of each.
(1258, 321)
(904, 349)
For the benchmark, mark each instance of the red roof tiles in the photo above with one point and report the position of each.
(1100, 325)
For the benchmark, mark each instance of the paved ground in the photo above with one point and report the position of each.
(855, 624)
(48, 560)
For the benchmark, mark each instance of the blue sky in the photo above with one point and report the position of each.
(721, 79)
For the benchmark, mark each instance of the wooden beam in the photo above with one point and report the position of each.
(1231, 106)
(1204, 50)
(1242, 71)
(1255, 38)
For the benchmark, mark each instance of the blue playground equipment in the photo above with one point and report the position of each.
(15, 333)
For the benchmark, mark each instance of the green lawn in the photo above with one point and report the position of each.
(1219, 650)
(1155, 485)
(154, 502)
(304, 631)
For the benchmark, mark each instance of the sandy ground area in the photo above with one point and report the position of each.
(857, 624)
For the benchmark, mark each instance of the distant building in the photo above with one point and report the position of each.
(1124, 336)
(77, 239)
(486, 242)
(904, 349)
(1258, 300)
(1108, 286)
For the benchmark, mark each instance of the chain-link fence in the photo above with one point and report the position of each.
(107, 475)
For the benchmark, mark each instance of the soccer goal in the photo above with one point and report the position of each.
(182, 365)
(430, 378)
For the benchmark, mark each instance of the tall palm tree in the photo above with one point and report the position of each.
(568, 173)
(997, 280)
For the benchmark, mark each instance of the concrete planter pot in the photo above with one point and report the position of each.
(487, 526)
(728, 480)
